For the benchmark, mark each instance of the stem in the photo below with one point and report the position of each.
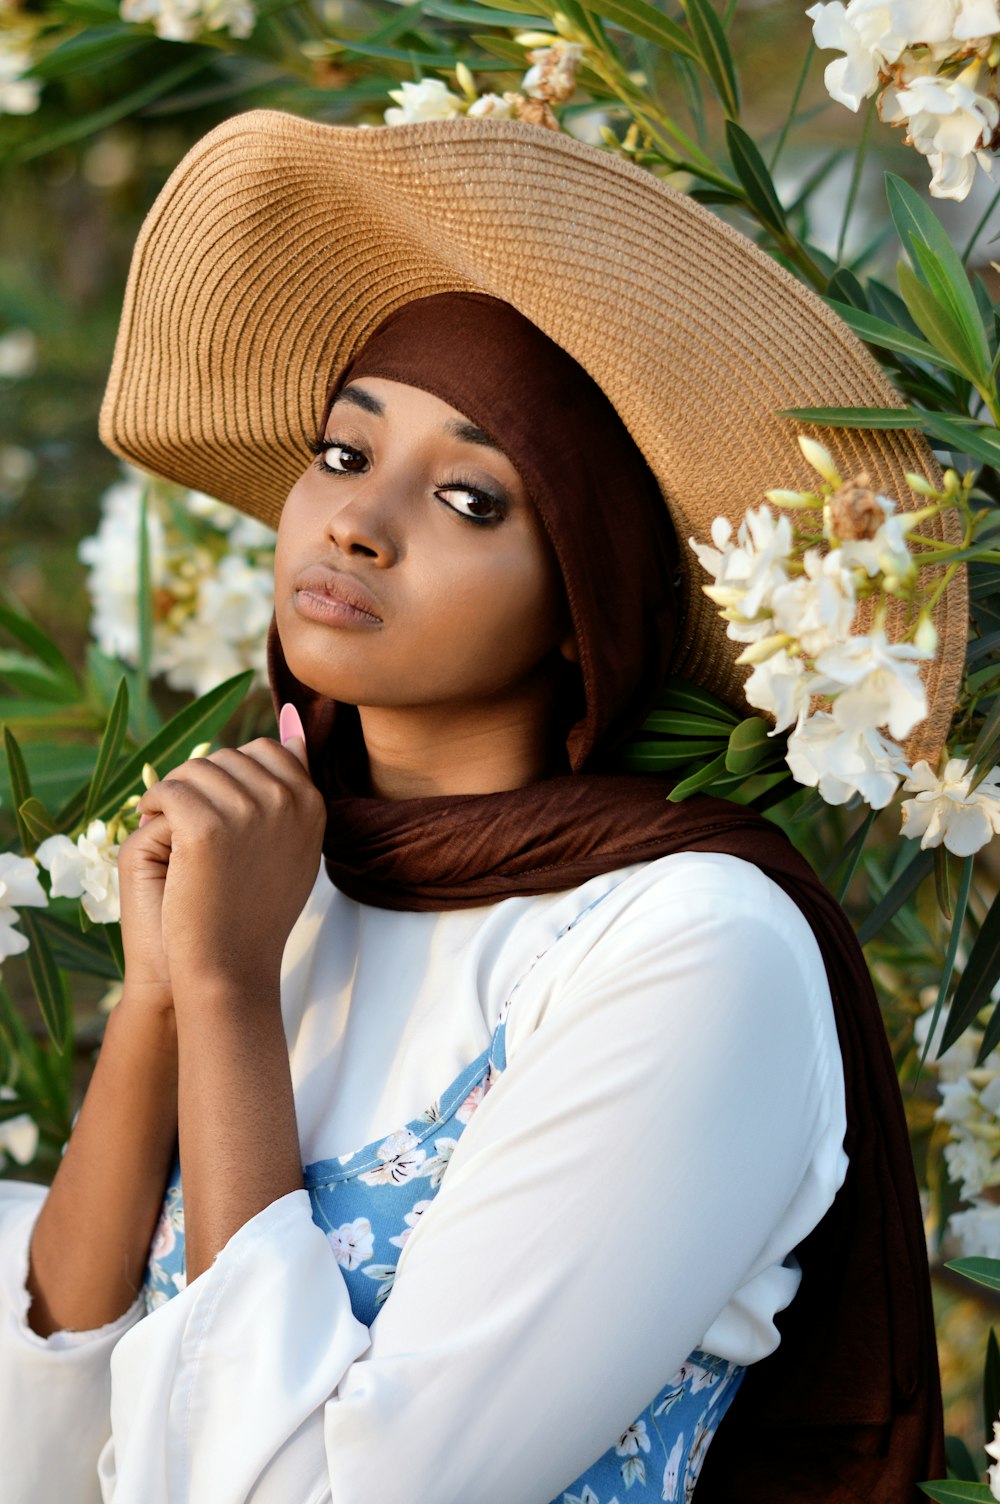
(859, 162)
(779, 148)
(970, 246)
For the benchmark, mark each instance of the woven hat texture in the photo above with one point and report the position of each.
(278, 244)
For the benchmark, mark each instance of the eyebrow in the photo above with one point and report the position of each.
(456, 428)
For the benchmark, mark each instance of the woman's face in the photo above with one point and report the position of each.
(412, 510)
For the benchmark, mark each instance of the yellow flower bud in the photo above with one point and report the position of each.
(202, 749)
(766, 647)
(466, 82)
(820, 458)
(149, 775)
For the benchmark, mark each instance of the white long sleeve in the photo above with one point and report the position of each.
(668, 1127)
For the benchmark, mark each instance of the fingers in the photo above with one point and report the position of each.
(235, 782)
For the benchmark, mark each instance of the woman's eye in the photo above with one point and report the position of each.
(340, 459)
(473, 504)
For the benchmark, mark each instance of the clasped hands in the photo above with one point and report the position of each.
(216, 876)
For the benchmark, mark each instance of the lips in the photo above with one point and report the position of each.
(339, 586)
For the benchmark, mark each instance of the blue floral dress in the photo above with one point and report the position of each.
(368, 1203)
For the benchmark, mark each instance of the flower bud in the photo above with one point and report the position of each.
(766, 647)
(202, 749)
(854, 512)
(925, 637)
(820, 458)
(466, 82)
(149, 775)
(798, 499)
(920, 484)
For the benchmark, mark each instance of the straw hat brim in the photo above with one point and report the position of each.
(278, 244)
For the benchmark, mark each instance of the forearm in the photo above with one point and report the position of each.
(239, 1142)
(91, 1241)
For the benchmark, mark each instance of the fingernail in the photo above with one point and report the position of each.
(290, 724)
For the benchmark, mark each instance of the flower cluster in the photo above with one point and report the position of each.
(970, 1105)
(935, 63)
(791, 594)
(211, 572)
(186, 20)
(550, 80)
(86, 868)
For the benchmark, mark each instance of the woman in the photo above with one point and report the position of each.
(613, 1065)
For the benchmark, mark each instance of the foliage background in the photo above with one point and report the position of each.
(76, 178)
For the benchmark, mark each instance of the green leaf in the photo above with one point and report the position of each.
(936, 322)
(917, 868)
(976, 982)
(501, 47)
(47, 980)
(851, 854)
(715, 53)
(855, 417)
(651, 756)
(55, 769)
(681, 694)
(197, 722)
(930, 248)
(699, 779)
(886, 336)
(956, 1493)
(987, 744)
(20, 785)
(97, 46)
(35, 640)
(751, 169)
(685, 723)
(960, 1463)
(111, 744)
(642, 20)
(75, 951)
(37, 819)
(954, 939)
(979, 443)
(983, 1271)
(125, 104)
(749, 745)
(113, 940)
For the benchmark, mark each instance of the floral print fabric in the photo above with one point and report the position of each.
(369, 1201)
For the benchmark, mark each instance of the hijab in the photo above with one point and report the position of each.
(848, 1407)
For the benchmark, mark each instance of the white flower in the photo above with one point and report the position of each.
(237, 600)
(887, 552)
(19, 889)
(185, 20)
(946, 812)
(430, 99)
(18, 353)
(87, 869)
(112, 553)
(782, 687)
(978, 1230)
(197, 658)
(863, 32)
(948, 121)
(748, 571)
(18, 95)
(818, 607)
(970, 1164)
(841, 763)
(352, 1243)
(993, 1450)
(928, 21)
(959, 1101)
(876, 683)
(18, 1136)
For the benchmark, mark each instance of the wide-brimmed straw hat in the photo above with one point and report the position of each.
(278, 245)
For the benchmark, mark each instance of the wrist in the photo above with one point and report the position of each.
(231, 987)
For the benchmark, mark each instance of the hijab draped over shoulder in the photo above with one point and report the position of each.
(848, 1407)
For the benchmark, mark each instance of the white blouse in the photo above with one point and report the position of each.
(668, 1128)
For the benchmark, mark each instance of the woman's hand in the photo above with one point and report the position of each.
(142, 873)
(243, 830)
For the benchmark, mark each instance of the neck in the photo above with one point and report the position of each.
(424, 751)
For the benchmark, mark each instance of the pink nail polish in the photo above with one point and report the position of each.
(142, 820)
(290, 724)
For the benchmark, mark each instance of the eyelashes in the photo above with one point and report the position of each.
(321, 446)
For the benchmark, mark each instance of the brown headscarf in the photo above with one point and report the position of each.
(849, 1406)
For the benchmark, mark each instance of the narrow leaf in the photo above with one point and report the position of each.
(37, 819)
(108, 752)
(852, 854)
(113, 940)
(855, 417)
(977, 980)
(991, 1383)
(20, 787)
(906, 884)
(197, 722)
(983, 1271)
(959, 1459)
(886, 336)
(681, 694)
(33, 638)
(683, 723)
(715, 53)
(642, 20)
(956, 1493)
(751, 169)
(47, 980)
(954, 939)
(937, 324)
(75, 951)
(698, 779)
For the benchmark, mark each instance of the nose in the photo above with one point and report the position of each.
(362, 519)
